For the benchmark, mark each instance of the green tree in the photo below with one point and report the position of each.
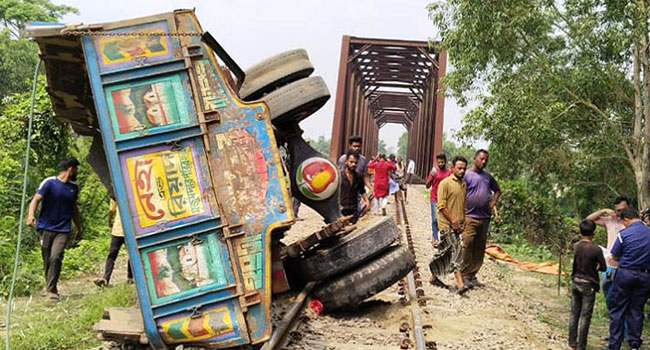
(402, 144)
(14, 14)
(50, 142)
(321, 144)
(381, 147)
(563, 89)
(18, 55)
(451, 149)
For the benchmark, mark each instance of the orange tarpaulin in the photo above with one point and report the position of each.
(548, 267)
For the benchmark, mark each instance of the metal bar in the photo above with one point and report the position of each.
(428, 56)
(337, 145)
(390, 42)
(209, 40)
(356, 54)
(440, 102)
(282, 327)
(415, 312)
(559, 275)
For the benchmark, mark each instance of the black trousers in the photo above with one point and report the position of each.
(583, 294)
(114, 250)
(52, 247)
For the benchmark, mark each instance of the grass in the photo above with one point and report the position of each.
(520, 249)
(38, 324)
(557, 314)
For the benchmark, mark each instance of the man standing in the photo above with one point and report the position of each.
(351, 188)
(354, 144)
(608, 219)
(587, 261)
(451, 212)
(629, 292)
(117, 240)
(382, 169)
(437, 174)
(483, 192)
(410, 170)
(59, 206)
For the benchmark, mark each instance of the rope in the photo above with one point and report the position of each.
(22, 207)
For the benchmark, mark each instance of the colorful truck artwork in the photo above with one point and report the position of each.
(192, 159)
(150, 104)
(165, 186)
(196, 174)
(120, 52)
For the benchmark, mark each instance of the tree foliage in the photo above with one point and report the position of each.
(402, 144)
(50, 142)
(381, 147)
(563, 90)
(18, 56)
(451, 149)
(321, 144)
(14, 14)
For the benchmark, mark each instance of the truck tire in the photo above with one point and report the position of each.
(350, 289)
(348, 251)
(275, 71)
(297, 101)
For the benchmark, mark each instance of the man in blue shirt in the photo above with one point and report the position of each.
(631, 286)
(58, 197)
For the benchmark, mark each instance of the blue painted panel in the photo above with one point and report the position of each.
(120, 193)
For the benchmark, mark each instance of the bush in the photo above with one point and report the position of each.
(85, 258)
(530, 211)
(51, 141)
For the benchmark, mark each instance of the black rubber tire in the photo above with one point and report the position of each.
(349, 251)
(275, 71)
(350, 289)
(297, 101)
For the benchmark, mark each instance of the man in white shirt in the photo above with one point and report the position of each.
(410, 170)
(608, 219)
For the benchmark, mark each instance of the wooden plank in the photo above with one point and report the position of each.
(122, 325)
(122, 314)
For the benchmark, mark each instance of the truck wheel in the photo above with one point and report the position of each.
(367, 280)
(348, 251)
(297, 101)
(273, 72)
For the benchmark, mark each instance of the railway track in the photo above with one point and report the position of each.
(413, 282)
(390, 320)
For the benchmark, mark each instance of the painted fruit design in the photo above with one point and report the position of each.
(317, 178)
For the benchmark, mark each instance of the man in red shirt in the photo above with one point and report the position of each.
(437, 174)
(382, 169)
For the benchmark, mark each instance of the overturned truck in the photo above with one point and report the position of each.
(189, 145)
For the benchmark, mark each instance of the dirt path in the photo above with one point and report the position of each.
(517, 309)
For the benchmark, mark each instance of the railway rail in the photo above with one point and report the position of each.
(299, 327)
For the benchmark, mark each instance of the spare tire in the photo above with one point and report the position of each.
(297, 101)
(367, 280)
(273, 72)
(348, 251)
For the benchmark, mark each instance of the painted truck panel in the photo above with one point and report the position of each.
(196, 174)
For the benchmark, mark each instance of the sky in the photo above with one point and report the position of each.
(253, 30)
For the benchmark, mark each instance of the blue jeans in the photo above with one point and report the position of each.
(434, 222)
(607, 278)
(627, 296)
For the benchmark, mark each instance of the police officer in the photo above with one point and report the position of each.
(631, 286)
